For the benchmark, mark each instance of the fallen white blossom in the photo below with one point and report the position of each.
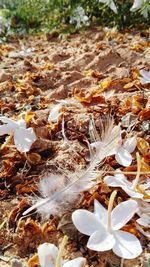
(23, 137)
(50, 256)
(103, 228)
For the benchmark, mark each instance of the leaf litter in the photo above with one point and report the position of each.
(72, 93)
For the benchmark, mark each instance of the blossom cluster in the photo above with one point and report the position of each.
(142, 5)
(79, 18)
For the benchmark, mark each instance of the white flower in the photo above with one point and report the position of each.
(131, 188)
(23, 138)
(145, 77)
(55, 111)
(79, 17)
(103, 228)
(123, 152)
(143, 5)
(111, 4)
(123, 155)
(49, 257)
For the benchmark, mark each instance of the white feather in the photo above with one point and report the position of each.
(59, 191)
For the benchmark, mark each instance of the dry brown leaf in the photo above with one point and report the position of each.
(144, 114)
(144, 166)
(34, 261)
(142, 145)
(33, 158)
(129, 85)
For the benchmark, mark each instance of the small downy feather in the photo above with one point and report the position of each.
(60, 191)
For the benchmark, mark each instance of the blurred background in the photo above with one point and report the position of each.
(32, 16)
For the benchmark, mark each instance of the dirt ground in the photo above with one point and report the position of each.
(99, 68)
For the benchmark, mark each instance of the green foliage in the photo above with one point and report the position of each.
(44, 15)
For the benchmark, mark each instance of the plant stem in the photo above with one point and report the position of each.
(122, 262)
(110, 206)
(135, 183)
(61, 249)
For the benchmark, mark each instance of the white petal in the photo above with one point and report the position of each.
(123, 157)
(5, 129)
(141, 230)
(47, 254)
(122, 213)
(78, 262)
(21, 123)
(145, 74)
(136, 5)
(120, 175)
(130, 144)
(8, 127)
(114, 181)
(86, 222)
(144, 220)
(144, 81)
(7, 120)
(113, 7)
(103, 1)
(100, 212)
(127, 245)
(101, 241)
(24, 138)
(55, 113)
(132, 193)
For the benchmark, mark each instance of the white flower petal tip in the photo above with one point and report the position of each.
(123, 213)
(55, 113)
(99, 211)
(123, 157)
(47, 254)
(85, 221)
(115, 181)
(78, 262)
(136, 5)
(101, 241)
(144, 77)
(144, 220)
(130, 144)
(119, 180)
(113, 7)
(23, 138)
(8, 127)
(110, 4)
(127, 245)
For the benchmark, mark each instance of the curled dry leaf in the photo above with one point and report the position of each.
(143, 146)
(33, 158)
(33, 261)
